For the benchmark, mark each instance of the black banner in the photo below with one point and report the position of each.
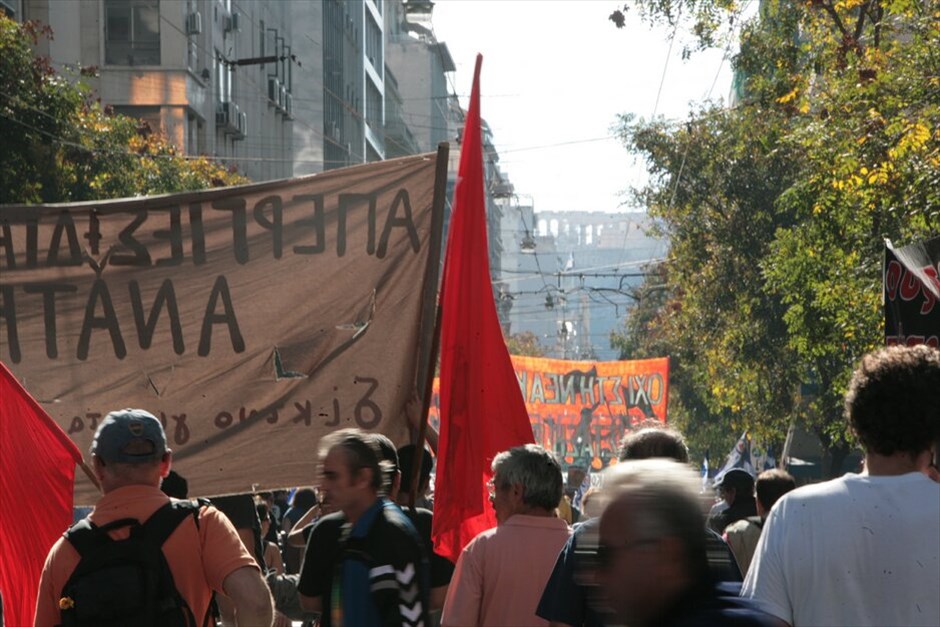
(912, 293)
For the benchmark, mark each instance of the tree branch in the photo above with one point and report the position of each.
(877, 15)
(831, 10)
(860, 22)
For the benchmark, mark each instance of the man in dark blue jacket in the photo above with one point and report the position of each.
(652, 567)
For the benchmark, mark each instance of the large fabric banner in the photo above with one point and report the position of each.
(912, 293)
(581, 409)
(251, 320)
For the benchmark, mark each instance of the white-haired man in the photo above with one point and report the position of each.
(501, 573)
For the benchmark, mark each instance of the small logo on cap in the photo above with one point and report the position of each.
(136, 428)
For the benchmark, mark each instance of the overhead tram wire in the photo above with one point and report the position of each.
(382, 132)
(721, 64)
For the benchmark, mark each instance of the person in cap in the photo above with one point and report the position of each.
(864, 549)
(736, 488)
(203, 553)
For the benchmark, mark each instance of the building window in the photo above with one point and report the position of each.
(10, 8)
(374, 44)
(132, 32)
(373, 107)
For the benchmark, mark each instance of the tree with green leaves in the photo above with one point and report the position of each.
(60, 146)
(525, 343)
(777, 208)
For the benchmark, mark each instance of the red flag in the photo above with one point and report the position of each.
(37, 473)
(482, 409)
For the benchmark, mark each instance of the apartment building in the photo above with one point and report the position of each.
(215, 76)
(275, 88)
(353, 82)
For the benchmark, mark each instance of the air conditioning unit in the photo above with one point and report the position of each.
(234, 113)
(289, 106)
(221, 114)
(227, 117)
(274, 89)
(282, 97)
(194, 23)
(242, 127)
(230, 22)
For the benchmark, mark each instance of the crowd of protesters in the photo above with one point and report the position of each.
(863, 549)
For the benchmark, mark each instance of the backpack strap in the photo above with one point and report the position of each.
(165, 520)
(86, 536)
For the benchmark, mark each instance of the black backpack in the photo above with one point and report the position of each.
(127, 582)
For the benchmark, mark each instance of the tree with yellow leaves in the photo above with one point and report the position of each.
(777, 208)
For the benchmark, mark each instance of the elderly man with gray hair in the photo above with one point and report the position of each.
(501, 573)
(652, 567)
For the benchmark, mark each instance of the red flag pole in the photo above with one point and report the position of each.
(431, 300)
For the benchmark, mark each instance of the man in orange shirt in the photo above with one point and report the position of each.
(203, 553)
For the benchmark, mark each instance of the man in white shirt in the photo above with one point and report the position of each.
(864, 549)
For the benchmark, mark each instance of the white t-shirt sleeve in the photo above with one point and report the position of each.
(766, 581)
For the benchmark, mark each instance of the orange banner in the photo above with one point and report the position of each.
(581, 409)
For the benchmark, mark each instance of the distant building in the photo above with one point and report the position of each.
(420, 64)
(571, 273)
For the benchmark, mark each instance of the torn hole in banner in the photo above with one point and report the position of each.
(280, 372)
(159, 380)
(307, 357)
(360, 325)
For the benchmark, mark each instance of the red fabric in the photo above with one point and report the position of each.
(482, 409)
(37, 471)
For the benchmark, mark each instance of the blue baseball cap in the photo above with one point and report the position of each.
(129, 436)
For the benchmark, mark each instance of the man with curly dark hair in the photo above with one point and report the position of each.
(864, 549)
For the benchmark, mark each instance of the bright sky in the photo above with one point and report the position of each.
(559, 71)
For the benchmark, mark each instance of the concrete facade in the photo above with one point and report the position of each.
(174, 64)
(420, 64)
